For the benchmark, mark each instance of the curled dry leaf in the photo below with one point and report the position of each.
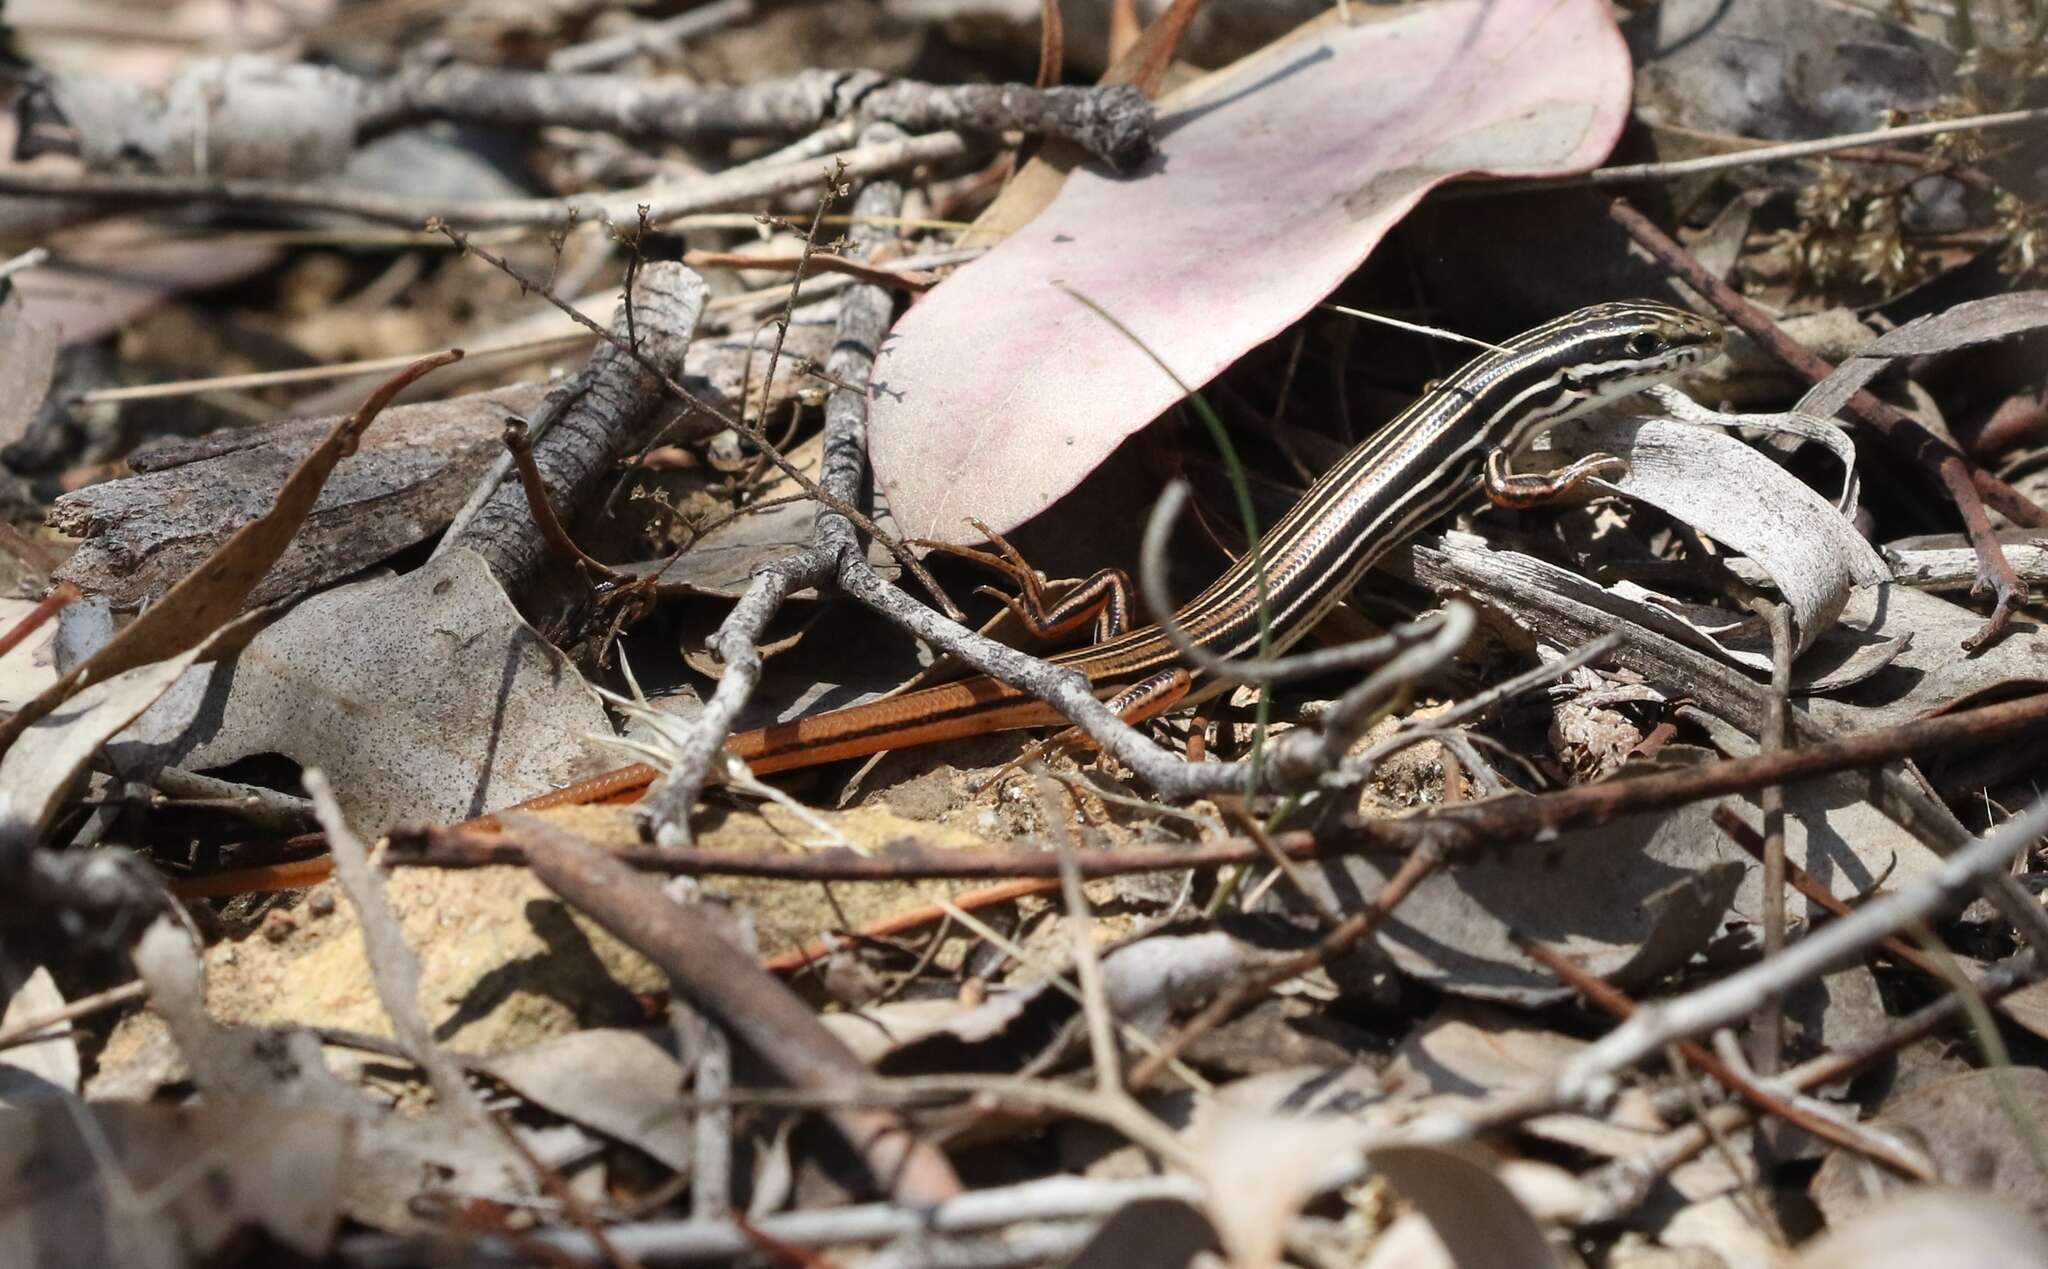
(1470, 1210)
(1854, 651)
(1733, 494)
(1000, 391)
(1962, 326)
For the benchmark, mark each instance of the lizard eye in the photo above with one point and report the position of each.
(1642, 345)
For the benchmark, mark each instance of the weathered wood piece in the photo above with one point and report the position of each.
(416, 466)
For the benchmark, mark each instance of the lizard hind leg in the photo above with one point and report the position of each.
(1519, 491)
(1104, 596)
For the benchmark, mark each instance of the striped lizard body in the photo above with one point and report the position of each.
(1422, 465)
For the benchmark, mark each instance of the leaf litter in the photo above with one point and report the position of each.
(1376, 1024)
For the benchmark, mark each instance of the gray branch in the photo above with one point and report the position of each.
(663, 200)
(1114, 123)
(619, 407)
(1735, 997)
(864, 316)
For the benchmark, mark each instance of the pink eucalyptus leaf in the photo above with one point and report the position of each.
(1274, 179)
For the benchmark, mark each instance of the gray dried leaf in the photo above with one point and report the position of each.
(1843, 656)
(1966, 1126)
(1826, 398)
(1630, 901)
(1593, 894)
(1965, 325)
(43, 1068)
(424, 696)
(623, 1084)
(208, 1171)
(1931, 1227)
(1929, 672)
